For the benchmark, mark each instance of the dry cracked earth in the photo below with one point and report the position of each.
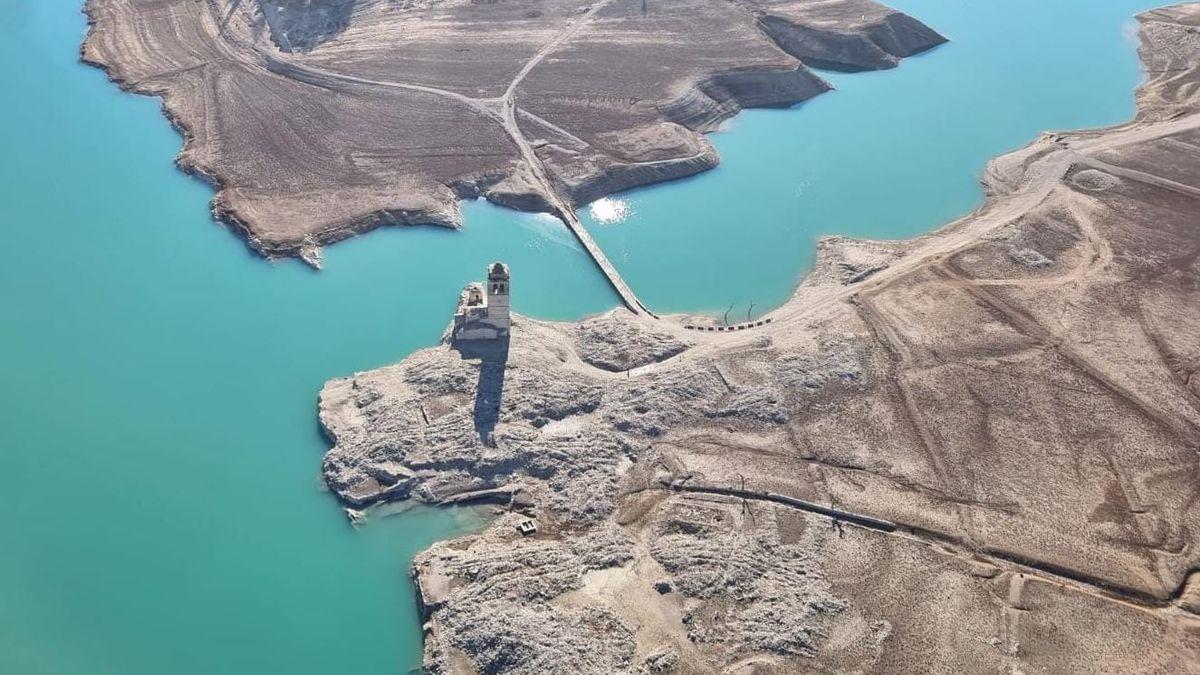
(975, 451)
(320, 119)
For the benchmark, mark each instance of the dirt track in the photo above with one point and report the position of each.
(1015, 398)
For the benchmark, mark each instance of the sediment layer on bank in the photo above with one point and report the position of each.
(1013, 399)
(319, 120)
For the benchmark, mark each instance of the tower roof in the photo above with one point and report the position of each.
(497, 270)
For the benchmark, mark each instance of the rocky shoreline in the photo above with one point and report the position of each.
(294, 122)
(1001, 418)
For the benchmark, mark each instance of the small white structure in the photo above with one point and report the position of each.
(483, 309)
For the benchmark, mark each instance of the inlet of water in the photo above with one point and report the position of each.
(888, 154)
(161, 507)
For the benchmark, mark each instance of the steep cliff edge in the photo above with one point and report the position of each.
(319, 119)
(838, 39)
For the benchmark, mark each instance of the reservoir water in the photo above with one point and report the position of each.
(160, 501)
(888, 154)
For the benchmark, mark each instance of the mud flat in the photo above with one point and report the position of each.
(320, 119)
(1008, 408)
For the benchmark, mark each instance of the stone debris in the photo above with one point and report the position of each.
(616, 345)
(771, 596)
(1009, 420)
(558, 441)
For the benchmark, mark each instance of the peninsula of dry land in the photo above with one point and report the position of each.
(319, 119)
(976, 451)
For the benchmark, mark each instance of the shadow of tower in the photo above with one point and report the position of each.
(489, 390)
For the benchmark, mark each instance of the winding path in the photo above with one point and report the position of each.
(561, 207)
(502, 110)
(1042, 173)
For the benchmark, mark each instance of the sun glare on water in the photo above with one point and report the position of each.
(608, 210)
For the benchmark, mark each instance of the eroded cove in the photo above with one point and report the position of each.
(889, 154)
(161, 497)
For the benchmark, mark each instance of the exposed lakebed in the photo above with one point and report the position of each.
(162, 508)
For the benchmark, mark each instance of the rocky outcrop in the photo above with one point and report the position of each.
(830, 45)
(303, 25)
(615, 345)
(708, 103)
(493, 605)
(320, 119)
(975, 450)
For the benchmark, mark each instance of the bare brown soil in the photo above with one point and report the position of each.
(976, 451)
(319, 119)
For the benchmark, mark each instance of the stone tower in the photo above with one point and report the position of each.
(497, 296)
(482, 312)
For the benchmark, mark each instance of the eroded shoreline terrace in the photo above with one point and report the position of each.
(294, 110)
(981, 441)
(972, 450)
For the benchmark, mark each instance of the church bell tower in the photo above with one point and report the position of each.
(497, 295)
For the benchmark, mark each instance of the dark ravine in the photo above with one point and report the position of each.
(1007, 403)
(296, 120)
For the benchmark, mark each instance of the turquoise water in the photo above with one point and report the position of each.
(888, 154)
(161, 507)
(160, 500)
